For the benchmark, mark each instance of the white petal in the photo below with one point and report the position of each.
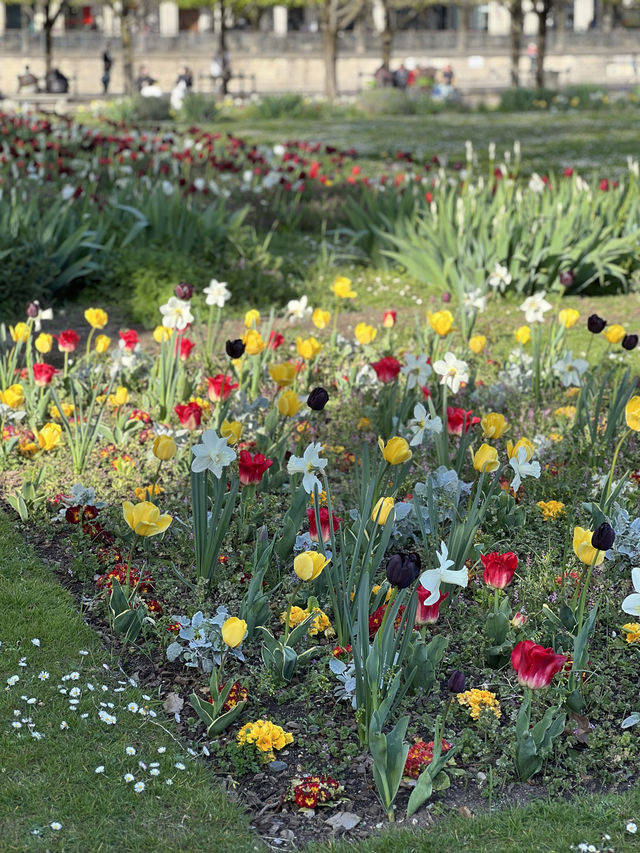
(459, 578)
(430, 580)
(631, 604)
(635, 578)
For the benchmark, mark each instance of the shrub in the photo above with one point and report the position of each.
(198, 108)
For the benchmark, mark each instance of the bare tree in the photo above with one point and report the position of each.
(334, 16)
(517, 22)
(542, 9)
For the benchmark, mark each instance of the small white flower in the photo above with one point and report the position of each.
(83, 652)
(162, 749)
(128, 777)
(631, 827)
(217, 293)
(298, 309)
(13, 679)
(432, 578)
(16, 724)
(535, 306)
(75, 692)
(500, 278)
(417, 370)
(43, 675)
(74, 676)
(133, 707)
(90, 687)
(32, 701)
(154, 764)
(55, 825)
(421, 423)
(142, 765)
(100, 769)
(453, 371)
(179, 765)
(475, 300)
(109, 719)
(22, 662)
(139, 787)
(154, 771)
(176, 314)
(212, 454)
(36, 735)
(36, 641)
(169, 782)
(306, 464)
(522, 468)
(64, 725)
(130, 750)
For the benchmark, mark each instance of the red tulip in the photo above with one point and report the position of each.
(220, 386)
(189, 415)
(499, 569)
(275, 340)
(129, 339)
(324, 523)
(185, 348)
(427, 614)
(457, 418)
(251, 468)
(387, 369)
(68, 341)
(536, 665)
(389, 319)
(43, 374)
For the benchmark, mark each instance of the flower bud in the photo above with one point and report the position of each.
(596, 324)
(403, 570)
(446, 297)
(457, 681)
(603, 537)
(184, 290)
(33, 309)
(567, 277)
(235, 349)
(318, 399)
(164, 448)
(630, 342)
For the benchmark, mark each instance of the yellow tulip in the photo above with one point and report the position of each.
(614, 334)
(96, 318)
(494, 425)
(164, 447)
(381, 510)
(568, 317)
(365, 334)
(252, 318)
(103, 342)
(120, 398)
(288, 403)
(144, 518)
(486, 459)
(309, 565)
(308, 348)
(283, 374)
(512, 449)
(477, 343)
(231, 430)
(583, 549)
(632, 414)
(395, 451)
(523, 335)
(19, 333)
(43, 343)
(13, 396)
(253, 342)
(161, 333)
(234, 631)
(49, 436)
(320, 318)
(441, 322)
(363, 423)
(341, 288)
(144, 493)
(67, 410)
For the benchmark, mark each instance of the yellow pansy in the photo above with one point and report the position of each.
(363, 423)
(551, 509)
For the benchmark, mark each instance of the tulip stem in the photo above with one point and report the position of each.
(287, 626)
(583, 594)
(607, 491)
(129, 558)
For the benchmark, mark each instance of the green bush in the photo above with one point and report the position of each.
(391, 102)
(522, 99)
(198, 108)
(138, 109)
(289, 106)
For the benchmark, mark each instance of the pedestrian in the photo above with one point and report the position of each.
(107, 62)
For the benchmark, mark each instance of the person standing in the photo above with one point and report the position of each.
(107, 62)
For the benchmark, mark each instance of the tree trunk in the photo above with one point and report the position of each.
(517, 20)
(463, 27)
(561, 28)
(127, 48)
(222, 50)
(48, 47)
(543, 13)
(330, 54)
(386, 38)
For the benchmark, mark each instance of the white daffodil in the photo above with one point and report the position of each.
(217, 293)
(453, 371)
(213, 454)
(570, 369)
(298, 309)
(306, 464)
(535, 306)
(631, 604)
(500, 278)
(43, 314)
(523, 468)
(475, 300)
(176, 314)
(432, 578)
(417, 370)
(421, 423)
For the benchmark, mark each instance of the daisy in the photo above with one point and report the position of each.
(100, 769)
(139, 787)
(55, 825)
(43, 675)
(130, 750)
(128, 777)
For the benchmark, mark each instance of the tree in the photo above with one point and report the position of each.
(542, 9)
(334, 16)
(517, 22)
(51, 11)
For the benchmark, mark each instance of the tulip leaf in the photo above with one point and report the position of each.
(580, 652)
(126, 621)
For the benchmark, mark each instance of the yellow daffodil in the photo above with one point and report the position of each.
(308, 348)
(288, 403)
(614, 334)
(522, 335)
(231, 430)
(253, 342)
(395, 451)
(486, 458)
(568, 317)
(364, 333)
(583, 549)
(252, 318)
(309, 565)
(145, 518)
(341, 288)
(380, 512)
(103, 342)
(512, 449)
(494, 425)
(164, 447)
(234, 631)
(13, 396)
(43, 343)
(283, 374)
(49, 436)
(477, 343)
(161, 333)
(96, 318)
(19, 333)
(632, 414)
(120, 398)
(320, 318)
(441, 322)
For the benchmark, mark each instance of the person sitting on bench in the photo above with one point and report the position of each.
(56, 82)
(27, 82)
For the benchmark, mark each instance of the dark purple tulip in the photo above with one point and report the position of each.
(318, 399)
(33, 309)
(630, 342)
(457, 681)
(603, 537)
(596, 324)
(235, 349)
(567, 278)
(184, 290)
(403, 570)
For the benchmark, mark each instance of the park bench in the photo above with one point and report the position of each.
(247, 85)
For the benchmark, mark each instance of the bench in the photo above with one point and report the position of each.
(207, 84)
